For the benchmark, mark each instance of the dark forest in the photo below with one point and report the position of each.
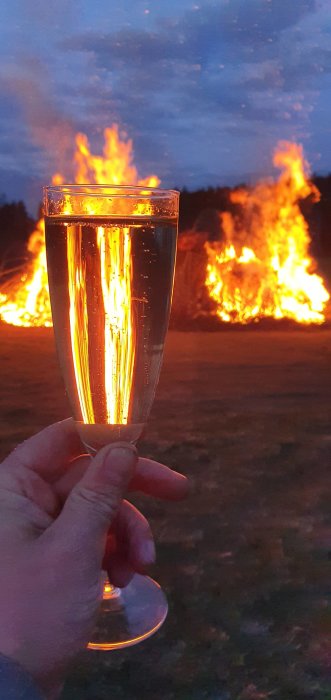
(198, 212)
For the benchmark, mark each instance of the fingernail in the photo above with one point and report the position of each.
(121, 450)
(148, 552)
(122, 456)
(123, 445)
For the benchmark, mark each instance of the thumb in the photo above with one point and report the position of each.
(93, 503)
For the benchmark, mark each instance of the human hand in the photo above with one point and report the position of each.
(62, 518)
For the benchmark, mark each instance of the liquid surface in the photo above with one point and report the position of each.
(110, 286)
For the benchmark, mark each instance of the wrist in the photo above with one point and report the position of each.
(16, 671)
(15, 681)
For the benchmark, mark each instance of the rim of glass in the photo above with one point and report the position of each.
(110, 190)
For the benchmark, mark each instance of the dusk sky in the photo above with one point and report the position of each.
(205, 89)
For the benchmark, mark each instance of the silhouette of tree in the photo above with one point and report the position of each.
(15, 229)
(198, 209)
(319, 218)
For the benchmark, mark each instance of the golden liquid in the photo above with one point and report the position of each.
(110, 286)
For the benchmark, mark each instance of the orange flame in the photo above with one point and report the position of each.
(116, 274)
(115, 167)
(26, 301)
(78, 321)
(115, 262)
(263, 267)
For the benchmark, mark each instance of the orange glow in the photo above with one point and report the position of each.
(114, 167)
(116, 271)
(110, 646)
(25, 301)
(79, 321)
(110, 592)
(263, 267)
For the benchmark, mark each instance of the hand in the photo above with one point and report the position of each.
(62, 518)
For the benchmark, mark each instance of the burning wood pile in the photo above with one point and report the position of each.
(24, 301)
(259, 266)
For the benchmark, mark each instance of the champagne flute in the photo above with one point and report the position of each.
(110, 257)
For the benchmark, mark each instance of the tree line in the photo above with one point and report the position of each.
(197, 210)
(15, 228)
(195, 205)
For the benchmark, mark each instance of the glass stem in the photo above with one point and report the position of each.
(109, 591)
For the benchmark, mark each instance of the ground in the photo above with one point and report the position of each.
(246, 561)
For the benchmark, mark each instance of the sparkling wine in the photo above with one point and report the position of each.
(110, 285)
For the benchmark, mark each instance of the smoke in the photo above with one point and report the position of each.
(49, 129)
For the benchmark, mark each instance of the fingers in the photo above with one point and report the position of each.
(150, 477)
(158, 480)
(130, 546)
(94, 501)
(116, 563)
(73, 474)
(20, 481)
(49, 451)
(120, 572)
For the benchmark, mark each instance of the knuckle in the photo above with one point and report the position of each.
(100, 502)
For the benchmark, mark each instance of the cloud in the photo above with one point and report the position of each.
(232, 73)
(203, 93)
(48, 14)
(238, 24)
(222, 58)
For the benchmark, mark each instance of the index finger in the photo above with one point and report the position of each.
(151, 478)
(48, 452)
(156, 479)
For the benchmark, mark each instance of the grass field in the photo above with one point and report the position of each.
(246, 561)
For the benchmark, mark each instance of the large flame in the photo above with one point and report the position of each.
(263, 267)
(25, 302)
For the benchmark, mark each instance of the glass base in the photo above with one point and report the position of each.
(95, 436)
(129, 615)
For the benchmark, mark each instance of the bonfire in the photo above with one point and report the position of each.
(25, 299)
(260, 268)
